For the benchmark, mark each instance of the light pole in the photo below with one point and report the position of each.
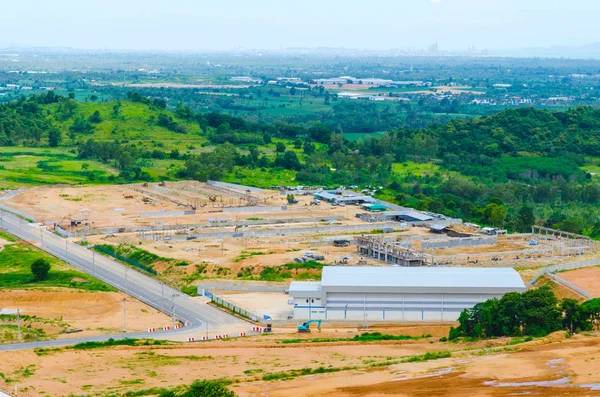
(162, 294)
(173, 307)
(125, 315)
(19, 323)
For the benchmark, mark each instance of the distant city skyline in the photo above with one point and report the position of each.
(270, 24)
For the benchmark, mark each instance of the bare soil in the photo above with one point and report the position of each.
(553, 366)
(91, 312)
(587, 279)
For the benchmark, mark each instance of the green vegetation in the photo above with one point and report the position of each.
(119, 342)
(310, 270)
(245, 255)
(509, 170)
(15, 266)
(40, 269)
(137, 257)
(202, 389)
(534, 313)
(427, 357)
(364, 337)
(299, 372)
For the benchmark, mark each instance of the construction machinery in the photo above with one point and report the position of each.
(305, 326)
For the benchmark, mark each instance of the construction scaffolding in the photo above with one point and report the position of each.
(391, 252)
(562, 243)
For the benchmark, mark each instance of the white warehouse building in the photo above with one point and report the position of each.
(399, 293)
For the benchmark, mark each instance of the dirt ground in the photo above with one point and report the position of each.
(553, 366)
(91, 312)
(128, 205)
(559, 290)
(587, 279)
(273, 304)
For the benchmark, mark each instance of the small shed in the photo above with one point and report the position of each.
(437, 228)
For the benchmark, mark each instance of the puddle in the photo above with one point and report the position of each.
(591, 386)
(554, 363)
(542, 383)
(442, 371)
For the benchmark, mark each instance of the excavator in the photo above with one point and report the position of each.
(305, 327)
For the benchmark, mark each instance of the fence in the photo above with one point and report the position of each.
(563, 267)
(255, 209)
(122, 258)
(234, 186)
(167, 213)
(254, 287)
(18, 213)
(459, 242)
(569, 285)
(236, 309)
(367, 228)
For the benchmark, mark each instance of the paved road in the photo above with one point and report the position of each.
(198, 315)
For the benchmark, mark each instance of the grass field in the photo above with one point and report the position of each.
(355, 136)
(417, 169)
(15, 271)
(22, 167)
(260, 178)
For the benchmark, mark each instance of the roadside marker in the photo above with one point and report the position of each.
(151, 330)
(166, 328)
(191, 339)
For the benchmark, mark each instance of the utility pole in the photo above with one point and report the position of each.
(19, 324)
(124, 315)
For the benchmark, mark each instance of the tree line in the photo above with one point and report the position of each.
(536, 312)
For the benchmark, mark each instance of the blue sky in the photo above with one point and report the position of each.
(230, 24)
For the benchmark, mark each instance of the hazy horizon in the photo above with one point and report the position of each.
(186, 25)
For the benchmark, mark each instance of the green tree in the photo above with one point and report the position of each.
(525, 219)
(280, 147)
(54, 137)
(95, 117)
(575, 317)
(202, 389)
(40, 269)
(495, 214)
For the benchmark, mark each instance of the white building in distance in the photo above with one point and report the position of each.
(399, 293)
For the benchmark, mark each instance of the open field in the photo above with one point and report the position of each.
(264, 366)
(57, 311)
(129, 205)
(587, 279)
(69, 300)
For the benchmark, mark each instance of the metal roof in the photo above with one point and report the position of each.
(355, 198)
(423, 279)
(326, 195)
(438, 227)
(304, 286)
(410, 213)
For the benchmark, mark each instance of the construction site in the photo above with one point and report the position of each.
(225, 230)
